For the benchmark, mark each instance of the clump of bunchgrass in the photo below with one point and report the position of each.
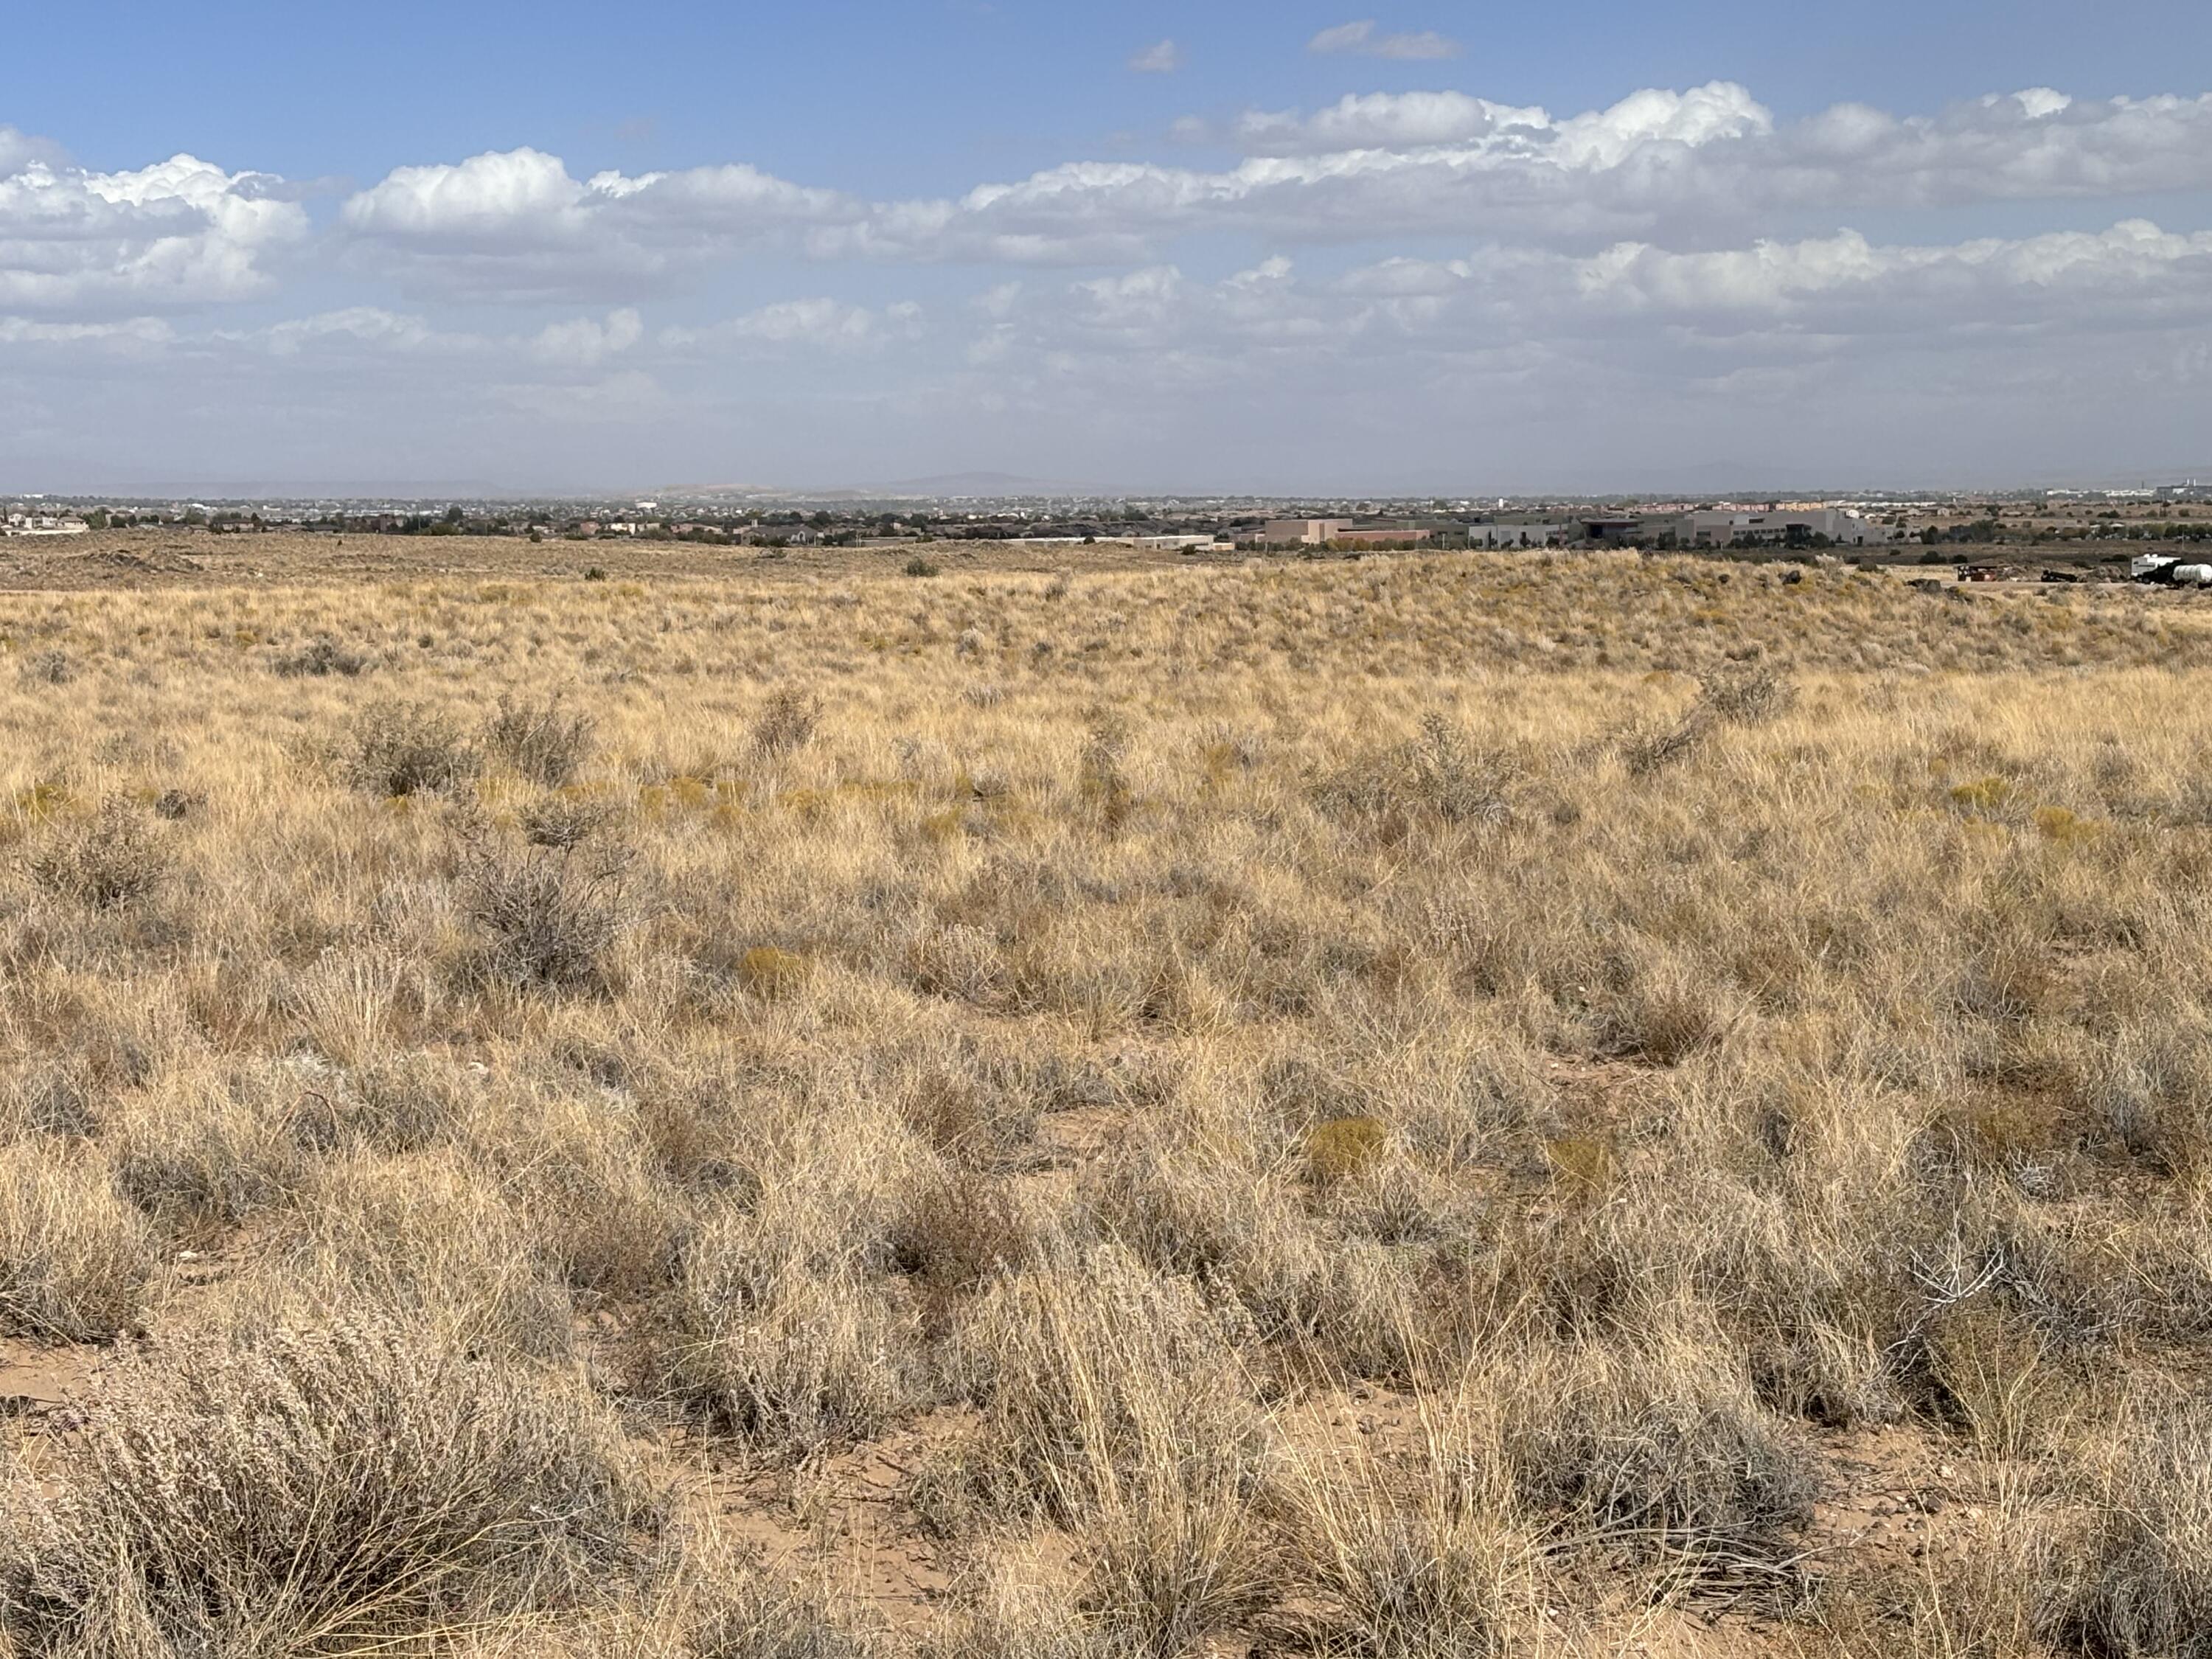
(1102, 781)
(273, 1488)
(786, 722)
(75, 1256)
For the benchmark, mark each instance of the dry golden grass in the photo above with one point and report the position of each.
(1416, 1107)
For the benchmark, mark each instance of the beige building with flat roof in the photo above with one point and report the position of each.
(1309, 533)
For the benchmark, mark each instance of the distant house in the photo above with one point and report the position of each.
(42, 524)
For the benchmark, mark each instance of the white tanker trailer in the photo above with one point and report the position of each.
(2167, 571)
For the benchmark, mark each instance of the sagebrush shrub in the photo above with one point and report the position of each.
(542, 739)
(398, 749)
(111, 859)
(1747, 694)
(319, 659)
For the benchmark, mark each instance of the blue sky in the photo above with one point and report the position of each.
(1288, 246)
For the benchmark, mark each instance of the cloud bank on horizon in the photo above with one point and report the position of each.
(1407, 288)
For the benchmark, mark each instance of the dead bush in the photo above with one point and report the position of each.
(1649, 747)
(397, 748)
(1659, 1447)
(113, 858)
(548, 914)
(278, 1490)
(541, 739)
(1749, 695)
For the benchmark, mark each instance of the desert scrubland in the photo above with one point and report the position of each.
(1415, 1107)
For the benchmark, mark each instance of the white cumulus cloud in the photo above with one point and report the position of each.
(1698, 165)
(1162, 57)
(179, 234)
(517, 224)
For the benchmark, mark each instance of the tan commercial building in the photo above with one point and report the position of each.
(1307, 532)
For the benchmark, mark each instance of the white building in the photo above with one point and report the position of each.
(42, 524)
